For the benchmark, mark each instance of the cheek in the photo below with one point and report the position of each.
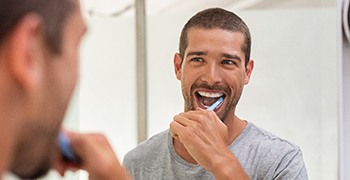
(186, 83)
(71, 65)
(74, 73)
(71, 78)
(67, 78)
(236, 82)
(188, 77)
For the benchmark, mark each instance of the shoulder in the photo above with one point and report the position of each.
(270, 154)
(263, 138)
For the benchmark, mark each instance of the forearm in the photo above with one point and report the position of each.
(228, 168)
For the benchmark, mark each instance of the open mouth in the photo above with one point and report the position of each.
(206, 99)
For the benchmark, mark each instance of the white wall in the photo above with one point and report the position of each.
(107, 88)
(294, 89)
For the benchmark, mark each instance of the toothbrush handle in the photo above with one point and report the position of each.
(216, 104)
(66, 150)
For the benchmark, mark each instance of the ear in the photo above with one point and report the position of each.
(26, 51)
(248, 71)
(177, 65)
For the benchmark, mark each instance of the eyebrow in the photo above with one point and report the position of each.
(230, 56)
(196, 53)
(225, 55)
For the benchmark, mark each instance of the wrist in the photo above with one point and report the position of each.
(229, 168)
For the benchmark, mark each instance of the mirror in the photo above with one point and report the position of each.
(292, 93)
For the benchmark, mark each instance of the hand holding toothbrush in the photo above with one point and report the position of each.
(90, 152)
(203, 135)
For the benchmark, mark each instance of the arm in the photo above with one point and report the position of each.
(205, 138)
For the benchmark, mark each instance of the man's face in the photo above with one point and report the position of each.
(36, 150)
(212, 67)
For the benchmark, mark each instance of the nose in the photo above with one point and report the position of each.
(212, 74)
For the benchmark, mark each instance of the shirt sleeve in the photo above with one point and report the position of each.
(291, 167)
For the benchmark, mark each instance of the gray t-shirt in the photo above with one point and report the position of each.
(262, 155)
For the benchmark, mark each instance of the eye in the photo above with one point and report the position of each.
(228, 62)
(197, 59)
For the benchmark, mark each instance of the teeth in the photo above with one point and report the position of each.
(210, 95)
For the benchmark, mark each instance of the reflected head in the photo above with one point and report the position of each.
(216, 18)
(52, 12)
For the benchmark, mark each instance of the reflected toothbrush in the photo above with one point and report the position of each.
(216, 104)
(66, 150)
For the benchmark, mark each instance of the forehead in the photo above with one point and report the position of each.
(216, 43)
(215, 40)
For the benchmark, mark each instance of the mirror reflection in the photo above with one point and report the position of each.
(292, 91)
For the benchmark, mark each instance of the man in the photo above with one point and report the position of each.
(214, 63)
(39, 42)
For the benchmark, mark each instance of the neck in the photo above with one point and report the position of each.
(235, 126)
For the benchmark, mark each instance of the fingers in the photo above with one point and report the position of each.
(185, 124)
(97, 156)
(200, 116)
(175, 129)
(59, 164)
(188, 125)
(87, 146)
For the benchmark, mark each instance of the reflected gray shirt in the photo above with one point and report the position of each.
(262, 155)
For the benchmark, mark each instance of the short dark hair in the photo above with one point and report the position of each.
(216, 18)
(53, 14)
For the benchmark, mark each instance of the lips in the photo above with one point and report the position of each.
(207, 98)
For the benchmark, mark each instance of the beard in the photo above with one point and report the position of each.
(231, 98)
(33, 174)
(34, 154)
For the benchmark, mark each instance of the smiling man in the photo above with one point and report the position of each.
(214, 63)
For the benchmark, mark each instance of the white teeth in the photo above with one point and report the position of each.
(210, 95)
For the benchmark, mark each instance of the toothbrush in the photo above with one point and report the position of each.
(216, 104)
(66, 150)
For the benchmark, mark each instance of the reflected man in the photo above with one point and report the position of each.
(213, 63)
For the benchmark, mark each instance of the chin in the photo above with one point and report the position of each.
(31, 172)
(33, 157)
(38, 173)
